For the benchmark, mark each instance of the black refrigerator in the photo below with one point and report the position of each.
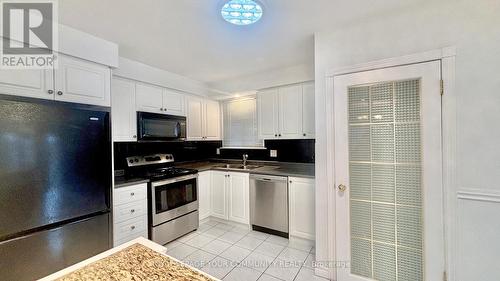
(55, 185)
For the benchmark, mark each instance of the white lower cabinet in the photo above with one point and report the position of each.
(218, 190)
(230, 196)
(239, 197)
(130, 213)
(204, 199)
(301, 196)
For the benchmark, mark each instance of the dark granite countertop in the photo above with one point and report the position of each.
(302, 170)
(267, 168)
(123, 181)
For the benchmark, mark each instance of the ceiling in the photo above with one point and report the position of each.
(190, 38)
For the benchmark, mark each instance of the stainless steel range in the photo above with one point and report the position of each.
(172, 196)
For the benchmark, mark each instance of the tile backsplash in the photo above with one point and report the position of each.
(301, 151)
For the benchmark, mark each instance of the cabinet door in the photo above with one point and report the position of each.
(204, 194)
(290, 112)
(218, 195)
(212, 120)
(123, 114)
(149, 98)
(81, 81)
(27, 83)
(302, 207)
(194, 119)
(267, 104)
(173, 103)
(308, 124)
(239, 197)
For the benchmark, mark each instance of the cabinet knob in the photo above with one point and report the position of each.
(279, 135)
(132, 194)
(304, 134)
(60, 93)
(132, 211)
(275, 135)
(132, 227)
(50, 92)
(134, 136)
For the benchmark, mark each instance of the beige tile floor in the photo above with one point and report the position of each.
(230, 251)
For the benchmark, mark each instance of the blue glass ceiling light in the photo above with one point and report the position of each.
(241, 12)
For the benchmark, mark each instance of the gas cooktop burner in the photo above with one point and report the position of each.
(147, 167)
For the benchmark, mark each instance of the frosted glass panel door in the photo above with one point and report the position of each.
(388, 174)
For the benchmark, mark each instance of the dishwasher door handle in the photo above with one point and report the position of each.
(268, 178)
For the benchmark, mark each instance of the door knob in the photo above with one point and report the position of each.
(342, 187)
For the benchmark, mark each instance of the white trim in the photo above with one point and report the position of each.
(449, 146)
(478, 195)
(322, 272)
(447, 56)
(432, 55)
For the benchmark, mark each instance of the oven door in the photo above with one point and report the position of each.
(173, 198)
(160, 127)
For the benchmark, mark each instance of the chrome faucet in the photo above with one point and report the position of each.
(245, 158)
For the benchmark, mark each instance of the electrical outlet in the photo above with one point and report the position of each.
(217, 151)
(273, 153)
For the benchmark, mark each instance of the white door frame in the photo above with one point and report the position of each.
(447, 58)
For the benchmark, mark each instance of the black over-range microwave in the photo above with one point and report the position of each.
(160, 127)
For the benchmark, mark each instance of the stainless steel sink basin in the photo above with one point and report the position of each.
(236, 167)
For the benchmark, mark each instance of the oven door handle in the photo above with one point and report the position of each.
(174, 180)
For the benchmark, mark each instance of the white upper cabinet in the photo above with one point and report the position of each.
(149, 98)
(203, 119)
(308, 112)
(156, 99)
(123, 110)
(27, 83)
(212, 120)
(302, 209)
(286, 112)
(173, 103)
(81, 81)
(75, 80)
(195, 119)
(290, 112)
(267, 104)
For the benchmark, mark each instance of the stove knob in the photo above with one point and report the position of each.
(136, 160)
(131, 161)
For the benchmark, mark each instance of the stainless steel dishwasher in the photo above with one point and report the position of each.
(269, 204)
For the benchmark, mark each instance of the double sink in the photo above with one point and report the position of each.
(237, 167)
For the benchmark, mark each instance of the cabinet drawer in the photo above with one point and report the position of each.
(129, 228)
(129, 238)
(130, 210)
(131, 193)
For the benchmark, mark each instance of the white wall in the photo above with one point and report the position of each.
(474, 28)
(266, 79)
(145, 73)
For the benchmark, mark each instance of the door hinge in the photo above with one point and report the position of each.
(441, 85)
(445, 276)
